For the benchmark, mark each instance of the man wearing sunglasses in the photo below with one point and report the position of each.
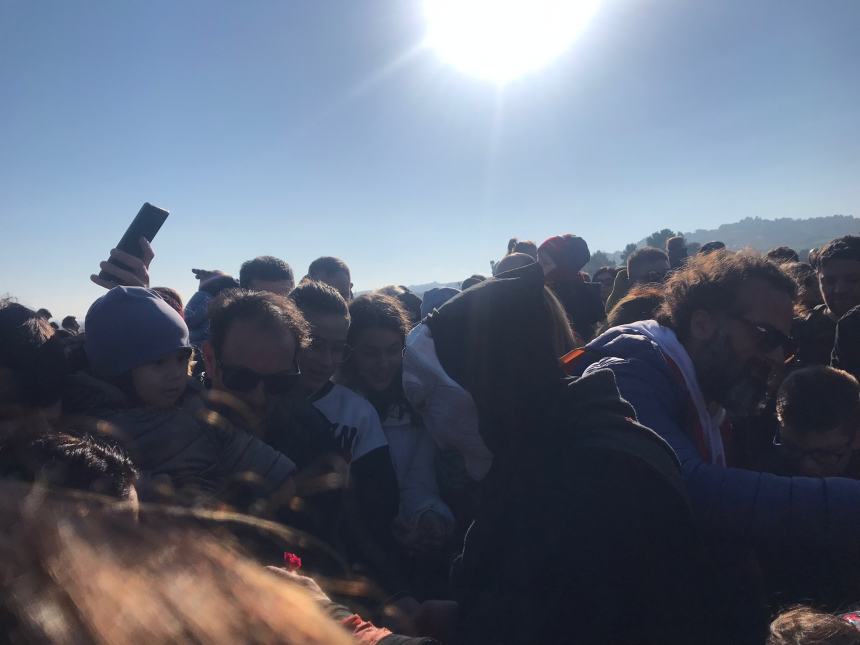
(720, 335)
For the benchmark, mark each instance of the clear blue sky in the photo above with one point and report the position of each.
(306, 128)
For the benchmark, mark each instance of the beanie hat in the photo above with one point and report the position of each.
(567, 254)
(435, 298)
(129, 327)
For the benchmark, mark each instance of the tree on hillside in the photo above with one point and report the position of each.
(658, 238)
(628, 251)
(598, 259)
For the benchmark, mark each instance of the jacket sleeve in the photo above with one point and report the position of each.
(744, 506)
(242, 453)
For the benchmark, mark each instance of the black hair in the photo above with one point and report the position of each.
(782, 255)
(32, 355)
(319, 297)
(69, 461)
(44, 313)
(409, 300)
(842, 248)
(818, 397)
(269, 310)
(326, 266)
(265, 267)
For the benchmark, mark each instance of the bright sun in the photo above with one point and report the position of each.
(500, 40)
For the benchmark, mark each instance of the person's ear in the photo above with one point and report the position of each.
(703, 325)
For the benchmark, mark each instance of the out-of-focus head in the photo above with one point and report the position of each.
(512, 261)
(44, 313)
(334, 272)
(172, 298)
(819, 413)
(410, 301)
(435, 298)
(74, 570)
(640, 303)
(808, 289)
(490, 355)
(648, 265)
(562, 257)
(71, 325)
(710, 247)
(32, 365)
(255, 338)
(62, 460)
(605, 277)
(838, 267)
(267, 273)
(327, 314)
(733, 313)
(377, 332)
(782, 255)
(522, 246)
(676, 249)
(472, 280)
(807, 626)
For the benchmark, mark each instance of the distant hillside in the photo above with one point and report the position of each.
(763, 234)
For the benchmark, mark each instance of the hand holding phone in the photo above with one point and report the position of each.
(128, 264)
(135, 273)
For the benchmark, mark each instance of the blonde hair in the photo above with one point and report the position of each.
(72, 572)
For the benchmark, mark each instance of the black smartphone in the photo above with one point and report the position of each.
(146, 224)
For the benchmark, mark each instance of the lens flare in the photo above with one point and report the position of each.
(501, 40)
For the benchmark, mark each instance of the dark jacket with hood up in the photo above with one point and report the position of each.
(583, 533)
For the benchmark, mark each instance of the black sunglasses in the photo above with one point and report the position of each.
(769, 338)
(242, 379)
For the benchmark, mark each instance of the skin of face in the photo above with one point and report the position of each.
(280, 287)
(725, 349)
(162, 382)
(318, 362)
(378, 355)
(607, 282)
(261, 349)
(840, 285)
(840, 442)
(341, 281)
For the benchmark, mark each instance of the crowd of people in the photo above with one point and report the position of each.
(664, 452)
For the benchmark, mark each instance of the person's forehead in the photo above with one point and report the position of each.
(820, 437)
(328, 326)
(378, 337)
(763, 303)
(248, 343)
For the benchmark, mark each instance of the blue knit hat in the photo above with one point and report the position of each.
(129, 327)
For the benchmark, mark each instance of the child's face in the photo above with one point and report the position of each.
(162, 382)
(820, 453)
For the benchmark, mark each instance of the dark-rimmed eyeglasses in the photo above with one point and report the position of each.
(769, 338)
(242, 379)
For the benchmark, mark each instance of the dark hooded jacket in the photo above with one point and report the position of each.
(583, 533)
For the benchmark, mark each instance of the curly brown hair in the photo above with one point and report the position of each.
(712, 282)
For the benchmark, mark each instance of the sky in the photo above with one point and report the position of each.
(301, 128)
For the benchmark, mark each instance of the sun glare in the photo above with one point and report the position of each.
(500, 40)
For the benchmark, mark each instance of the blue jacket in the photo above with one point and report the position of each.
(731, 504)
